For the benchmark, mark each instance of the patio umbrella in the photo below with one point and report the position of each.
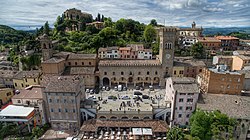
(164, 138)
(100, 137)
(112, 137)
(118, 138)
(159, 138)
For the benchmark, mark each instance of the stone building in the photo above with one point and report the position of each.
(223, 60)
(193, 31)
(219, 80)
(5, 95)
(229, 42)
(141, 72)
(183, 92)
(6, 78)
(75, 14)
(62, 96)
(210, 43)
(23, 79)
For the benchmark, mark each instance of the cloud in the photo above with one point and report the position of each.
(171, 12)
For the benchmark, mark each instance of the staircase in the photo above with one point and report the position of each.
(162, 112)
(88, 112)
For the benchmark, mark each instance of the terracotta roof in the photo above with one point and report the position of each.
(54, 60)
(233, 105)
(32, 93)
(226, 37)
(79, 70)
(81, 56)
(185, 84)
(156, 125)
(129, 63)
(209, 39)
(125, 48)
(27, 74)
(60, 83)
(243, 57)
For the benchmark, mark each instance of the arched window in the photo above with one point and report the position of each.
(102, 117)
(146, 118)
(124, 118)
(122, 73)
(113, 118)
(156, 72)
(136, 118)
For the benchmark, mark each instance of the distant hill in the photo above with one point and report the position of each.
(226, 31)
(9, 35)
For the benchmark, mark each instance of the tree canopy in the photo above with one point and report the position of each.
(198, 51)
(207, 125)
(175, 133)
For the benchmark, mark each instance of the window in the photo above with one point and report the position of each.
(34, 79)
(181, 72)
(180, 108)
(69, 63)
(148, 73)
(181, 100)
(72, 101)
(188, 115)
(22, 85)
(182, 93)
(89, 63)
(200, 70)
(65, 101)
(228, 86)
(82, 63)
(74, 110)
(190, 93)
(50, 100)
(190, 100)
(122, 73)
(76, 63)
(139, 73)
(113, 73)
(180, 115)
(57, 100)
(189, 108)
(175, 72)
(51, 110)
(8, 94)
(66, 110)
(59, 109)
(25, 79)
(105, 73)
(19, 101)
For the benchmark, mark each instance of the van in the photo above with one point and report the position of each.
(119, 87)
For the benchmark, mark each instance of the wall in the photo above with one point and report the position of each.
(5, 95)
(237, 63)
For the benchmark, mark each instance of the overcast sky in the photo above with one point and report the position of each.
(206, 13)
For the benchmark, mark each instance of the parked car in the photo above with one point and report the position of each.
(107, 88)
(91, 91)
(119, 87)
(87, 90)
(151, 88)
(112, 97)
(141, 88)
(92, 98)
(137, 94)
(145, 97)
(116, 88)
(125, 88)
(103, 88)
(126, 98)
(137, 87)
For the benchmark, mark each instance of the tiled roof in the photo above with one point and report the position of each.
(243, 57)
(7, 73)
(60, 83)
(185, 84)
(233, 105)
(125, 48)
(226, 37)
(190, 63)
(62, 54)
(32, 93)
(209, 39)
(27, 74)
(54, 60)
(129, 63)
(81, 56)
(156, 125)
(79, 70)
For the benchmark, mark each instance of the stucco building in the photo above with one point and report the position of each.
(183, 92)
(229, 42)
(23, 79)
(210, 43)
(62, 96)
(5, 95)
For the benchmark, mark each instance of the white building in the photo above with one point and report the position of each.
(183, 93)
(109, 52)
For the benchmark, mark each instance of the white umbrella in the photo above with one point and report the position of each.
(131, 138)
(85, 137)
(91, 137)
(124, 133)
(100, 137)
(112, 137)
(118, 138)
(118, 133)
(159, 138)
(164, 138)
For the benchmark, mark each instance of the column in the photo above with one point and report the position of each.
(143, 84)
(86, 115)
(126, 84)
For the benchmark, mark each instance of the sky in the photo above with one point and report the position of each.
(206, 13)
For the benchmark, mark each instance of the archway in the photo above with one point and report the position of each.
(102, 117)
(105, 81)
(156, 81)
(124, 118)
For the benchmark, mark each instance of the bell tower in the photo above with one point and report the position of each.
(46, 45)
(168, 36)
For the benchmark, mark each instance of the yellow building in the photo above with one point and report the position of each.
(24, 79)
(240, 61)
(178, 71)
(5, 95)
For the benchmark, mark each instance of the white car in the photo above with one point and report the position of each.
(87, 90)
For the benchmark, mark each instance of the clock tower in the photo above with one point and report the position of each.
(167, 36)
(46, 45)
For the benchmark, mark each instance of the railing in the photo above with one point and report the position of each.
(125, 112)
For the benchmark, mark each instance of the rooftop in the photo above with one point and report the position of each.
(16, 111)
(233, 105)
(62, 54)
(222, 69)
(54, 60)
(190, 63)
(81, 56)
(129, 63)
(7, 73)
(29, 93)
(27, 74)
(185, 84)
(209, 39)
(79, 70)
(243, 57)
(226, 37)
(156, 125)
(60, 83)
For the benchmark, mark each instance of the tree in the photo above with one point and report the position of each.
(149, 35)
(153, 22)
(208, 125)
(197, 50)
(175, 133)
(46, 28)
